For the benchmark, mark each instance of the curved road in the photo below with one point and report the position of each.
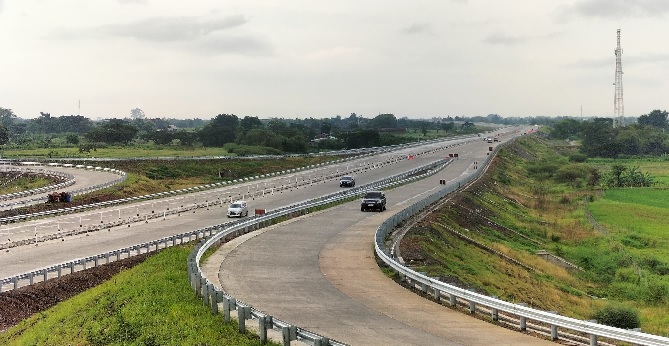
(331, 272)
(319, 272)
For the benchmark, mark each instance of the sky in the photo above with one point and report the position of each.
(305, 58)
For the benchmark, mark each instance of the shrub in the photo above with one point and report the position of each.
(618, 315)
(578, 157)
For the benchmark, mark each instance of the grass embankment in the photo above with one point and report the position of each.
(149, 304)
(535, 199)
(10, 182)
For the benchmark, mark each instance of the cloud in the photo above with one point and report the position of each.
(172, 29)
(2, 4)
(507, 40)
(157, 29)
(617, 8)
(245, 45)
(417, 29)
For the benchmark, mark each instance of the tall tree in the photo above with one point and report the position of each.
(4, 135)
(248, 123)
(599, 138)
(137, 113)
(384, 121)
(112, 131)
(656, 118)
(7, 117)
(221, 130)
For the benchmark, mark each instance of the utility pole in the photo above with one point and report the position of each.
(618, 106)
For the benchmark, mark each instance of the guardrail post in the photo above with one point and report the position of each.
(494, 314)
(45, 274)
(289, 333)
(452, 301)
(523, 323)
(264, 323)
(85, 262)
(228, 305)
(554, 333)
(198, 284)
(437, 295)
(71, 264)
(593, 340)
(216, 299)
(15, 280)
(107, 258)
(322, 342)
(30, 277)
(243, 313)
(205, 291)
(60, 269)
(472, 307)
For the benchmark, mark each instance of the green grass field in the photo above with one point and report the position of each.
(149, 304)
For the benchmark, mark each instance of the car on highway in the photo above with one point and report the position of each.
(373, 200)
(347, 181)
(238, 209)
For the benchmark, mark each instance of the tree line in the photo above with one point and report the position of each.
(243, 135)
(599, 138)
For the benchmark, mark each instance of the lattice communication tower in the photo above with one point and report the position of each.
(618, 106)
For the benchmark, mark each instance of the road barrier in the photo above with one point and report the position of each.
(517, 314)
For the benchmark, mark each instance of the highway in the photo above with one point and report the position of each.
(317, 271)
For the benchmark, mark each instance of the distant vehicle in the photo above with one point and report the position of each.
(238, 209)
(489, 139)
(59, 197)
(496, 139)
(374, 200)
(347, 181)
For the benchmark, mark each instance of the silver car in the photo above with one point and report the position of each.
(238, 209)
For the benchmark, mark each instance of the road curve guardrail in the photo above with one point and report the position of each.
(215, 235)
(66, 179)
(498, 309)
(212, 295)
(69, 182)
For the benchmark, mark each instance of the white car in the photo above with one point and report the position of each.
(238, 209)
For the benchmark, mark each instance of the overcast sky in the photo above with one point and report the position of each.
(306, 58)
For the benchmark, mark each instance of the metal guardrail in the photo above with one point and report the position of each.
(17, 218)
(212, 296)
(68, 180)
(122, 177)
(215, 235)
(79, 230)
(495, 306)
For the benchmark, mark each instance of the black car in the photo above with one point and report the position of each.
(347, 181)
(374, 200)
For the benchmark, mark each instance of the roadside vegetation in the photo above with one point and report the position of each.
(149, 304)
(541, 200)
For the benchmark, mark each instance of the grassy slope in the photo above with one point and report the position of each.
(150, 304)
(620, 266)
